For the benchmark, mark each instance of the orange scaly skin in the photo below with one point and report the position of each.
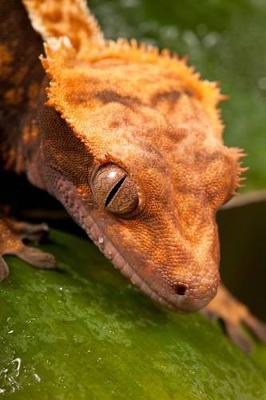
(125, 113)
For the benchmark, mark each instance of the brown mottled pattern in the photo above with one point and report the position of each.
(168, 96)
(20, 77)
(68, 155)
(64, 18)
(109, 96)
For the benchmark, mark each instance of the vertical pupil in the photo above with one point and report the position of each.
(114, 190)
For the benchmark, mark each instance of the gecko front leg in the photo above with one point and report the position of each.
(12, 237)
(233, 314)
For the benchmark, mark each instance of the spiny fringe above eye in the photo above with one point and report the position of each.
(131, 50)
(238, 154)
(62, 55)
(141, 52)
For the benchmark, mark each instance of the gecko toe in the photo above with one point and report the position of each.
(234, 317)
(256, 327)
(13, 235)
(236, 334)
(31, 232)
(37, 258)
(4, 270)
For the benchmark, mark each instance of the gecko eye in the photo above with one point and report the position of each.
(114, 190)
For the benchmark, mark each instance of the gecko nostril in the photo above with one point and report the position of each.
(181, 289)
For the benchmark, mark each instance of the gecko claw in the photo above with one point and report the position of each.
(234, 315)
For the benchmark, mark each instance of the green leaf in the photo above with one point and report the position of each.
(225, 40)
(82, 332)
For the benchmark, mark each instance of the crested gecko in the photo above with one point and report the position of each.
(130, 140)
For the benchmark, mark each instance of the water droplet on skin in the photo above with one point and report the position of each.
(101, 240)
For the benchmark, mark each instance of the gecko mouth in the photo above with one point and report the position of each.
(119, 262)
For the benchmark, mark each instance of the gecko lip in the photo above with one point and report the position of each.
(110, 252)
(179, 299)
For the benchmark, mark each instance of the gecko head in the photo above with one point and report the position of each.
(138, 161)
(156, 222)
(149, 206)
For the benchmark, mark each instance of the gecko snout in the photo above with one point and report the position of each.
(186, 299)
(191, 291)
(194, 296)
(185, 294)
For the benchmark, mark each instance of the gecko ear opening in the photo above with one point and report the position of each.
(114, 190)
